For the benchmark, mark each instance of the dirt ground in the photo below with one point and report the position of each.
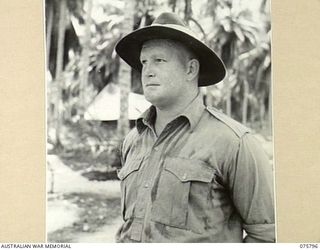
(80, 210)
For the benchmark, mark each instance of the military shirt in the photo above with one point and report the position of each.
(205, 178)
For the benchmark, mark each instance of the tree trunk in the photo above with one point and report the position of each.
(187, 11)
(49, 33)
(259, 77)
(174, 5)
(228, 98)
(125, 75)
(59, 69)
(245, 101)
(262, 111)
(50, 85)
(85, 59)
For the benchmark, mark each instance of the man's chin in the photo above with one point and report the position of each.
(153, 99)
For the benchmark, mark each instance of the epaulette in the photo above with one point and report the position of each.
(236, 126)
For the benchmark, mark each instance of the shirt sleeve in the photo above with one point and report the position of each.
(120, 150)
(250, 180)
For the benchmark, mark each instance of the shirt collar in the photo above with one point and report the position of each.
(146, 119)
(192, 112)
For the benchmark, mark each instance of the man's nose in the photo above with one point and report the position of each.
(148, 70)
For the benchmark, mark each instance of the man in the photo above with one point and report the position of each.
(190, 173)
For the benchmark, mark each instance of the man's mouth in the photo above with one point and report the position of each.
(152, 84)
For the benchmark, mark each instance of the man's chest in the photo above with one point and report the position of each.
(172, 177)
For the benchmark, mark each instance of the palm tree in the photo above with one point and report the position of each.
(49, 24)
(236, 31)
(56, 29)
(85, 58)
(82, 66)
(59, 68)
(125, 74)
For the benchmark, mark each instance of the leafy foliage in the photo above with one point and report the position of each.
(241, 38)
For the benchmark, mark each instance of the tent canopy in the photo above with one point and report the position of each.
(106, 105)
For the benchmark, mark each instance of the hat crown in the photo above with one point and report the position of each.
(170, 26)
(169, 18)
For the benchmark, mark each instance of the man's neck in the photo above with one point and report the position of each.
(167, 114)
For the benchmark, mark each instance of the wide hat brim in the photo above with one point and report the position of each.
(212, 69)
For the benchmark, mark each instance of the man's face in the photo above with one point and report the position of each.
(164, 71)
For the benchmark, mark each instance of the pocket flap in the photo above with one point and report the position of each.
(129, 167)
(189, 169)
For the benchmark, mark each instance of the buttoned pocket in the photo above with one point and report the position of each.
(129, 167)
(129, 176)
(171, 199)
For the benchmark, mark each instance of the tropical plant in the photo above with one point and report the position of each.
(125, 75)
(79, 70)
(239, 36)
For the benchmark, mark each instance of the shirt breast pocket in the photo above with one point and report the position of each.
(172, 198)
(129, 176)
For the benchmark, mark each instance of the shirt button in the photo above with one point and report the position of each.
(184, 177)
(146, 185)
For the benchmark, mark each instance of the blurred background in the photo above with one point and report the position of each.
(93, 97)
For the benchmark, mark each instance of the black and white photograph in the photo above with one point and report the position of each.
(159, 121)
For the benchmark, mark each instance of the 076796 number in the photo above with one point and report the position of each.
(309, 245)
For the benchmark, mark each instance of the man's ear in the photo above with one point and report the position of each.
(193, 68)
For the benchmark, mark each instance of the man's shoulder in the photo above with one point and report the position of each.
(127, 142)
(131, 136)
(228, 123)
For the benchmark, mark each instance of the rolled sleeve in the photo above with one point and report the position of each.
(251, 186)
(259, 233)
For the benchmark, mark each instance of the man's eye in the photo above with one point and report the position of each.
(143, 61)
(160, 60)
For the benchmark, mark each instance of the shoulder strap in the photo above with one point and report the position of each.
(237, 127)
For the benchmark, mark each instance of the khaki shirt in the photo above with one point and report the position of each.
(204, 179)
